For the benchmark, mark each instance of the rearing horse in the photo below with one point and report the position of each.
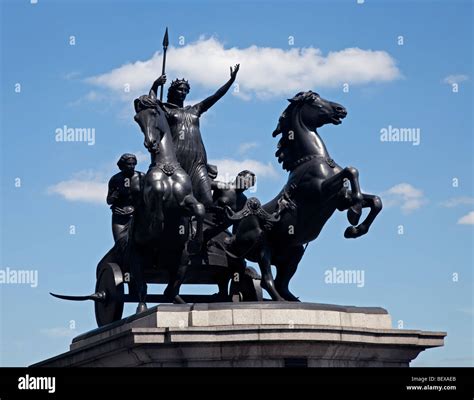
(315, 189)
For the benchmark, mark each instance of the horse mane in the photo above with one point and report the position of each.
(144, 102)
(284, 126)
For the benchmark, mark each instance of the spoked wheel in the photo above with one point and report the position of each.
(246, 287)
(110, 285)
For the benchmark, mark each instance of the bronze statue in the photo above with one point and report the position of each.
(228, 195)
(315, 189)
(123, 194)
(171, 224)
(184, 124)
(161, 228)
(231, 194)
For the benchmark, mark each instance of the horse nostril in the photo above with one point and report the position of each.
(341, 110)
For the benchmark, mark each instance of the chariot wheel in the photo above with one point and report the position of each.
(110, 285)
(246, 287)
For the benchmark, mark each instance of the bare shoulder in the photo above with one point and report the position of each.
(116, 178)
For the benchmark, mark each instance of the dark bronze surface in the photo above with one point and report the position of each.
(171, 224)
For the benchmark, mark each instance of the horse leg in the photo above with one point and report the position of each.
(285, 271)
(345, 202)
(375, 205)
(177, 272)
(267, 283)
(333, 185)
(223, 285)
(201, 184)
(153, 199)
(139, 258)
(344, 199)
(198, 210)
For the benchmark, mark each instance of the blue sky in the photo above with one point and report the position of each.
(82, 86)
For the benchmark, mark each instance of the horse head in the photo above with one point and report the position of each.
(298, 123)
(152, 121)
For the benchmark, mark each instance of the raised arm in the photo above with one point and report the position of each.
(154, 88)
(206, 104)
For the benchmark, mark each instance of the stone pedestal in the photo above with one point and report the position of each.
(267, 334)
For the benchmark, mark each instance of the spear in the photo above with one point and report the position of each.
(165, 47)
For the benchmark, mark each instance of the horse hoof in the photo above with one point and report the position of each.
(272, 292)
(350, 232)
(353, 215)
(141, 308)
(353, 232)
(291, 297)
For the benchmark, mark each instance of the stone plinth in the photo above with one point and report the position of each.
(267, 334)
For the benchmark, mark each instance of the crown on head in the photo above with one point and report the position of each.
(179, 82)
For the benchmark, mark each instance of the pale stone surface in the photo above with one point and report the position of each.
(176, 319)
(249, 316)
(211, 318)
(250, 335)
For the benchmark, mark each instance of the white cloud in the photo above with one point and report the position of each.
(457, 201)
(90, 186)
(405, 196)
(229, 168)
(468, 219)
(59, 332)
(451, 79)
(264, 72)
(81, 190)
(246, 146)
(91, 96)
